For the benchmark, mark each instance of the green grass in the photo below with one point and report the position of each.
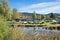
(48, 24)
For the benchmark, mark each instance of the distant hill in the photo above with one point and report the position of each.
(30, 14)
(57, 14)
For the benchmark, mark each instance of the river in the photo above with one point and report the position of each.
(33, 30)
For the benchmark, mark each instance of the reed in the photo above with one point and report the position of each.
(17, 34)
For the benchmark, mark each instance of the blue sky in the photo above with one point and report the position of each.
(40, 6)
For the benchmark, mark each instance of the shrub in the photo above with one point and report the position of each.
(3, 27)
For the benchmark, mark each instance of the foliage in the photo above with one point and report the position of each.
(47, 18)
(15, 14)
(42, 17)
(34, 16)
(5, 9)
(1, 9)
(3, 28)
(52, 16)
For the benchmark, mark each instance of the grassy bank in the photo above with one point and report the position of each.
(44, 24)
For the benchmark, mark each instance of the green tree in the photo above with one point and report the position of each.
(5, 6)
(1, 9)
(9, 15)
(5, 9)
(34, 15)
(47, 18)
(42, 17)
(52, 16)
(15, 14)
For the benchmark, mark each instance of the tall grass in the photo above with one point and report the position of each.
(16, 34)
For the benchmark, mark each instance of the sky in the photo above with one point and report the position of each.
(40, 6)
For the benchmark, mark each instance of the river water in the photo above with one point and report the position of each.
(34, 30)
(39, 33)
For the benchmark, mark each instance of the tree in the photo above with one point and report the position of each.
(42, 17)
(5, 6)
(9, 15)
(52, 16)
(15, 14)
(34, 15)
(47, 18)
(1, 9)
(5, 9)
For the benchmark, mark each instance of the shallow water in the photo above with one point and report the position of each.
(32, 33)
(33, 30)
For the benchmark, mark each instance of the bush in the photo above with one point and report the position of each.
(3, 28)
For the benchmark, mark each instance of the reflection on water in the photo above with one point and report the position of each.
(33, 30)
(38, 33)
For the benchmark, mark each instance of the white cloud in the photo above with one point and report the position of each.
(45, 7)
(48, 10)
